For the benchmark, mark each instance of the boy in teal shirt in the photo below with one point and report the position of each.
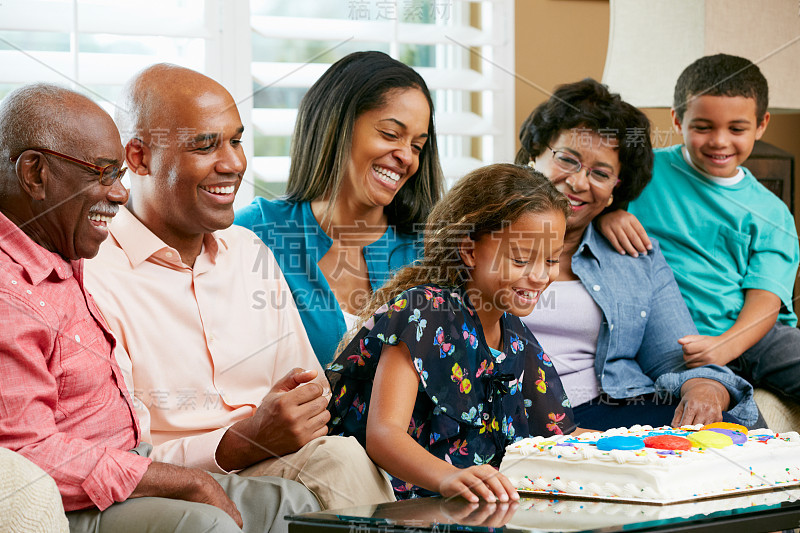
(731, 243)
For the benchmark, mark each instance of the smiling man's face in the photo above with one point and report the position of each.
(197, 165)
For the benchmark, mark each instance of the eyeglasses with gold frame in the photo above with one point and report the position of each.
(108, 173)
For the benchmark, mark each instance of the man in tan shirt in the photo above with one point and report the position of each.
(63, 399)
(222, 380)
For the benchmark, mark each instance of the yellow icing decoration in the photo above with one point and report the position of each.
(710, 439)
(726, 425)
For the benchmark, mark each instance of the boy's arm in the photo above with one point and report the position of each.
(759, 313)
(624, 232)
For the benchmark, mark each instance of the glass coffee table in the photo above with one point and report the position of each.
(765, 511)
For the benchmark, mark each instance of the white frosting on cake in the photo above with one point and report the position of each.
(574, 465)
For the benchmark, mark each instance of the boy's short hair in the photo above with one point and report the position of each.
(721, 75)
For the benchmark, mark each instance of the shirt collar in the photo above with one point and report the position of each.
(590, 242)
(724, 182)
(37, 262)
(139, 243)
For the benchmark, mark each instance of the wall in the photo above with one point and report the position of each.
(560, 41)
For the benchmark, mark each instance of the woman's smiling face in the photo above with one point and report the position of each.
(587, 196)
(386, 147)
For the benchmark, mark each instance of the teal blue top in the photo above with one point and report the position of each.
(298, 242)
(719, 240)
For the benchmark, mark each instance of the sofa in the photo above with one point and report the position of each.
(29, 498)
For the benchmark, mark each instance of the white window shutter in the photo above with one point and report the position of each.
(472, 104)
(268, 52)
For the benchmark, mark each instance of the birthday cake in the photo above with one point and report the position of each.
(662, 465)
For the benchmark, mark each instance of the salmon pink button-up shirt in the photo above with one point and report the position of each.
(63, 401)
(200, 346)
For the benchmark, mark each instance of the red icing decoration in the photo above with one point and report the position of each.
(667, 442)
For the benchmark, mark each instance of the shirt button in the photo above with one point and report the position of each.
(168, 254)
(41, 303)
(77, 338)
(13, 282)
(596, 288)
(644, 314)
(29, 291)
(611, 327)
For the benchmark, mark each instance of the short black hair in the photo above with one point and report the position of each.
(589, 104)
(721, 75)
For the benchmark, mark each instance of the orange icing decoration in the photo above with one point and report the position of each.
(726, 425)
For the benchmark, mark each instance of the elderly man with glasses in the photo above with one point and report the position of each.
(63, 402)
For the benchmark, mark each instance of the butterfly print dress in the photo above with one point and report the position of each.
(469, 404)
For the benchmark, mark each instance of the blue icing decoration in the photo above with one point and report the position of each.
(620, 443)
(676, 432)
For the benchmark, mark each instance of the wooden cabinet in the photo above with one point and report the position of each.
(774, 168)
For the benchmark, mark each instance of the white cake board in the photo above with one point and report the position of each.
(735, 492)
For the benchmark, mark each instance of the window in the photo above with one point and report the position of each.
(463, 49)
(94, 46)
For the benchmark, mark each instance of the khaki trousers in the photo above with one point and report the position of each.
(263, 503)
(336, 469)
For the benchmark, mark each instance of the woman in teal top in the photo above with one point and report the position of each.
(365, 173)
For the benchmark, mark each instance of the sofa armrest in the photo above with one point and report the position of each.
(29, 498)
(781, 413)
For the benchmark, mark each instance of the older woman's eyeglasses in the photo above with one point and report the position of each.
(569, 163)
(108, 173)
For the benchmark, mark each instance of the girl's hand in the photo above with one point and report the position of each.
(482, 482)
(389, 444)
(624, 232)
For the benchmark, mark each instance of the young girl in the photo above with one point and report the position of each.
(431, 384)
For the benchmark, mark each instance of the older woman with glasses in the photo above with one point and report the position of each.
(610, 323)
